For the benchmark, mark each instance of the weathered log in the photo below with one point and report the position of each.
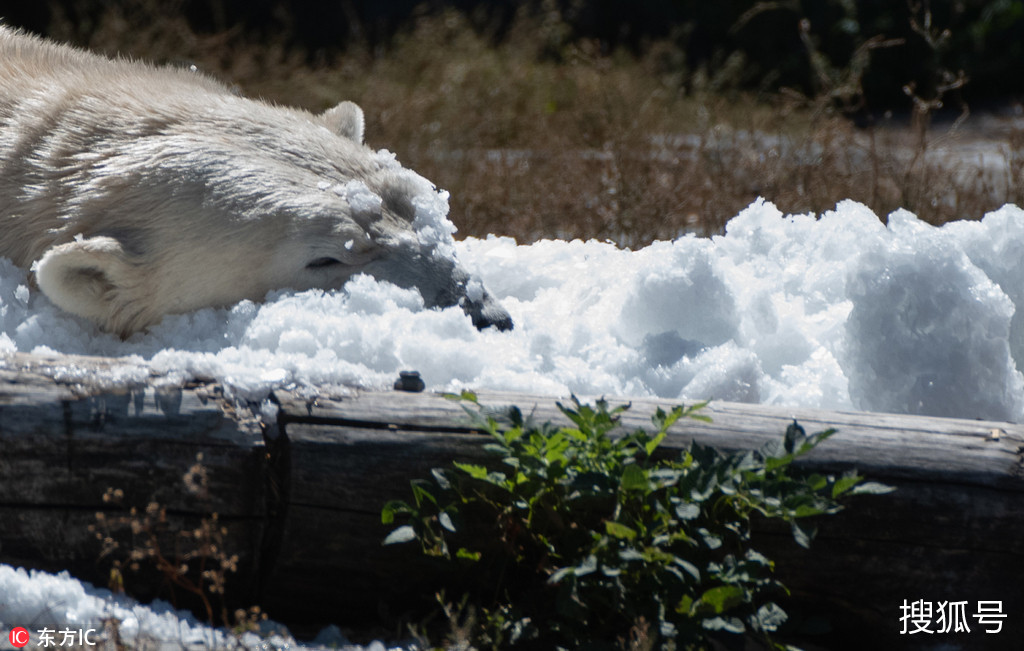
(64, 442)
(301, 496)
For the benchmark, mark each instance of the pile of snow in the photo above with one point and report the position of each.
(67, 610)
(838, 312)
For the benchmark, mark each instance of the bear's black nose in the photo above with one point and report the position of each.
(488, 315)
(503, 323)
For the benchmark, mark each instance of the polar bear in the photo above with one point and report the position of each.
(135, 191)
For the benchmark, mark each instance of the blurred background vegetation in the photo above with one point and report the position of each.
(627, 121)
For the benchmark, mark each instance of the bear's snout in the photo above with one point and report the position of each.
(488, 315)
(441, 281)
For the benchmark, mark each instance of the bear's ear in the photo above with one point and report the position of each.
(90, 278)
(346, 120)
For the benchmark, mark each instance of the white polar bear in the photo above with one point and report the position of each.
(136, 191)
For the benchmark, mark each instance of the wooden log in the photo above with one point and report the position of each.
(66, 443)
(302, 495)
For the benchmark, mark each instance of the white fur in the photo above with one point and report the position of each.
(139, 191)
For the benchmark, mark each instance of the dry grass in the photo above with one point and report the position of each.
(580, 144)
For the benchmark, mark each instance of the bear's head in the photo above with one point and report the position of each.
(207, 206)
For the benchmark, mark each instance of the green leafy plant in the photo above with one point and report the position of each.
(582, 536)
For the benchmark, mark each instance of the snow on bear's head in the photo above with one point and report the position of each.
(139, 191)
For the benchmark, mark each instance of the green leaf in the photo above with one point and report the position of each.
(653, 444)
(723, 598)
(498, 449)
(400, 535)
(728, 624)
(664, 421)
(772, 464)
(560, 574)
(571, 414)
(655, 555)
(691, 411)
(588, 566)
(690, 568)
(446, 521)
(770, 617)
(710, 539)
(420, 492)
(843, 484)
(515, 416)
(756, 557)
(619, 530)
(466, 395)
(817, 482)
(813, 441)
(473, 470)
(688, 511)
(807, 510)
(441, 478)
(574, 433)
(794, 434)
(512, 435)
(634, 478)
(556, 447)
(393, 508)
(685, 605)
(468, 555)
(803, 532)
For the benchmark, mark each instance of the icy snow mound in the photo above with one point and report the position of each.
(838, 312)
(38, 600)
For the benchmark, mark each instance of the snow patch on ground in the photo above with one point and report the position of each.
(39, 601)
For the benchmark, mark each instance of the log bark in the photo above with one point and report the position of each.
(300, 497)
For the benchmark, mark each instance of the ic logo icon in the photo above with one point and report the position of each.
(18, 637)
